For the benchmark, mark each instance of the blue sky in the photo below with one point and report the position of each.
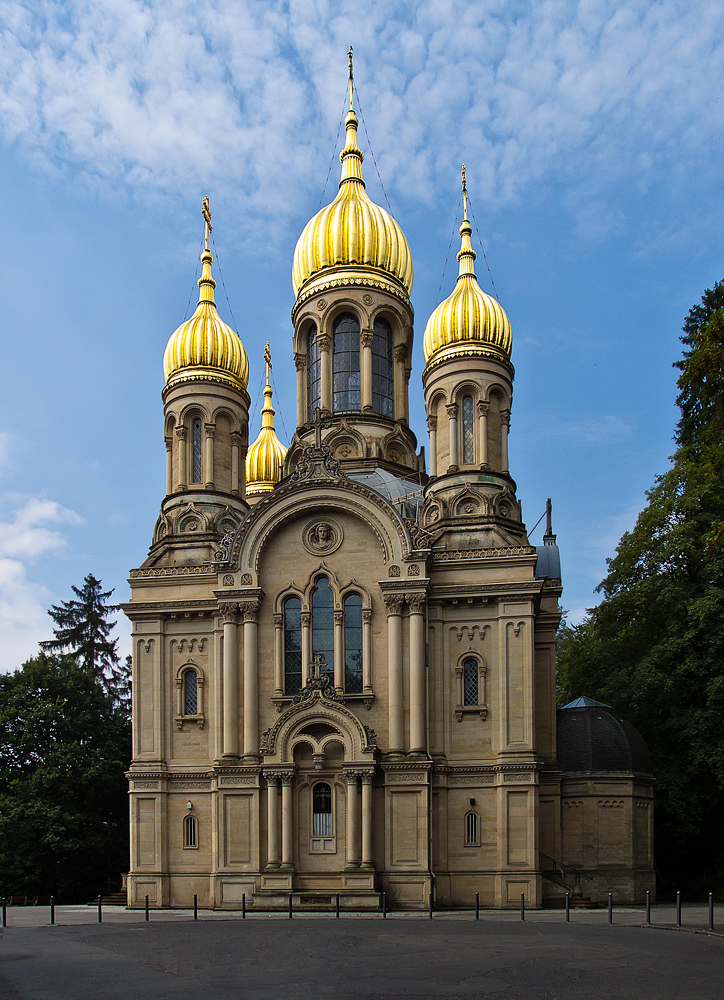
(593, 135)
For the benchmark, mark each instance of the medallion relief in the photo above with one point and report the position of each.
(320, 537)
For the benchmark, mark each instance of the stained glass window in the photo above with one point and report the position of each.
(353, 644)
(382, 370)
(292, 645)
(322, 810)
(323, 624)
(468, 431)
(470, 682)
(189, 831)
(345, 363)
(471, 829)
(196, 471)
(191, 692)
(314, 373)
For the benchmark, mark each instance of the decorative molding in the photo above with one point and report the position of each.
(193, 643)
(413, 570)
(161, 571)
(393, 603)
(472, 778)
(245, 580)
(315, 464)
(467, 632)
(228, 580)
(145, 784)
(610, 803)
(241, 779)
(404, 777)
(229, 612)
(249, 610)
(393, 571)
(513, 550)
(184, 786)
(416, 603)
(518, 776)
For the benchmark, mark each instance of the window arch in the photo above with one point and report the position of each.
(190, 832)
(323, 625)
(292, 645)
(196, 467)
(467, 426)
(470, 681)
(322, 810)
(189, 696)
(382, 368)
(472, 829)
(345, 363)
(190, 692)
(314, 372)
(353, 644)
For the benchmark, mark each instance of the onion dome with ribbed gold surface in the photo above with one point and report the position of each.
(265, 457)
(468, 321)
(352, 233)
(204, 347)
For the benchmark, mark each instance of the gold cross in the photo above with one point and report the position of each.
(206, 212)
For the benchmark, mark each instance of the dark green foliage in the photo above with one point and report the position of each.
(64, 747)
(654, 648)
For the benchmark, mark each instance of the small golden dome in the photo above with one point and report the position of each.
(352, 230)
(204, 347)
(468, 321)
(265, 457)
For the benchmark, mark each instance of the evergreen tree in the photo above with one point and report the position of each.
(654, 647)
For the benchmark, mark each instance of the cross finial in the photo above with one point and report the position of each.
(206, 212)
(319, 423)
(465, 195)
(318, 664)
(351, 76)
(267, 359)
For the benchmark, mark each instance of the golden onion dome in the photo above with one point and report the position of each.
(351, 232)
(468, 321)
(265, 457)
(204, 347)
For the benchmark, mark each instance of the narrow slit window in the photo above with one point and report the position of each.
(196, 471)
(323, 625)
(382, 368)
(314, 373)
(470, 682)
(468, 431)
(191, 693)
(190, 831)
(353, 644)
(471, 829)
(322, 810)
(292, 645)
(345, 363)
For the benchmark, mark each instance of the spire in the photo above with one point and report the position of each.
(267, 410)
(206, 282)
(351, 156)
(549, 538)
(467, 255)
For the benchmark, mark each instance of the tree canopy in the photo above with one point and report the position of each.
(654, 647)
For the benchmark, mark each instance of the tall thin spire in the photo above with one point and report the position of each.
(206, 281)
(351, 78)
(267, 410)
(467, 255)
(351, 156)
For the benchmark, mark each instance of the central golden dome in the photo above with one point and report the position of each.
(352, 230)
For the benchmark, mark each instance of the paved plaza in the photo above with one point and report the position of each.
(358, 956)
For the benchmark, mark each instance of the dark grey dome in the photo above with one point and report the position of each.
(593, 738)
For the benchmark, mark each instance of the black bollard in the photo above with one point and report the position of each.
(384, 905)
(5, 912)
(146, 907)
(610, 907)
(243, 906)
(711, 912)
(100, 911)
(522, 906)
(568, 907)
(477, 906)
(429, 906)
(678, 909)
(52, 910)
(648, 906)
(196, 907)
(290, 906)
(336, 906)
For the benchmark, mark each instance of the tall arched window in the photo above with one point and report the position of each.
(292, 645)
(470, 682)
(353, 644)
(382, 370)
(322, 810)
(314, 373)
(468, 429)
(190, 837)
(472, 837)
(196, 470)
(191, 693)
(345, 362)
(323, 625)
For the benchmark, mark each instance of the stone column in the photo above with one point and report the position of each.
(182, 459)
(250, 611)
(339, 651)
(272, 820)
(504, 428)
(306, 645)
(287, 778)
(352, 823)
(169, 465)
(210, 430)
(325, 348)
(483, 408)
(432, 428)
(365, 370)
(300, 363)
(452, 412)
(278, 654)
(393, 603)
(367, 651)
(230, 683)
(367, 857)
(235, 451)
(400, 382)
(418, 686)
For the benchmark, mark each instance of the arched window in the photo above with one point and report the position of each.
(292, 645)
(468, 428)
(314, 373)
(323, 625)
(470, 682)
(353, 644)
(471, 830)
(196, 471)
(345, 362)
(382, 370)
(190, 838)
(191, 693)
(322, 810)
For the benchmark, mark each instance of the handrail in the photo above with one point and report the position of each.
(559, 864)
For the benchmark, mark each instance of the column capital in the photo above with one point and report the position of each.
(229, 612)
(249, 610)
(278, 620)
(300, 362)
(168, 441)
(287, 778)
(325, 342)
(483, 407)
(272, 780)
(452, 409)
(236, 438)
(306, 617)
(339, 617)
(416, 602)
(351, 777)
(432, 423)
(400, 353)
(366, 338)
(505, 418)
(210, 430)
(181, 432)
(393, 603)
(367, 777)
(366, 615)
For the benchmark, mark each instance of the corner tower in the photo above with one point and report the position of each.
(353, 325)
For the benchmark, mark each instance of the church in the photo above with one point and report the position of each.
(344, 670)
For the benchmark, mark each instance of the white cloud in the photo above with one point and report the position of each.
(24, 538)
(242, 98)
